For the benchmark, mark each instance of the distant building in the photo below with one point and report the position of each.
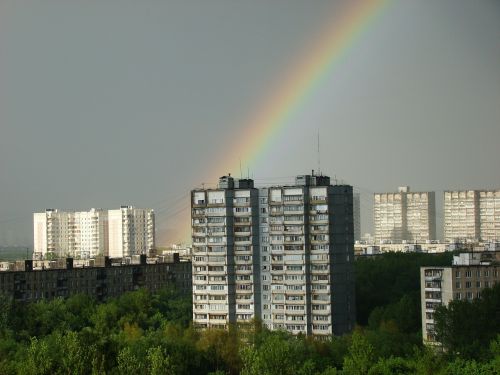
(283, 254)
(131, 231)
(76, 234)
(464, 280)
(471, 215)
(101, 278)
(97, 232)
(404, 216)
(356, 212)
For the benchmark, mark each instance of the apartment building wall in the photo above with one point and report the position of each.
(356, 212)
(131, 231)
(421, 216)
(404, 216)
(86, 234)
(80, 234)
(389, 217)
(472, 215)
(300, 263)
(461, 216)
(471, 273)
(225, 232)
(489, 215)
(102, 282)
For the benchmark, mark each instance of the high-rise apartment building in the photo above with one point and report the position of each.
(404, 216)
(131, 231)
(87, 234)
(78, 234)
(489, 215)
(225, 247)
(465, 279)
(461, 216)
(472, 215)
(282, 253)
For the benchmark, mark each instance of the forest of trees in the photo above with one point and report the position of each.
(140, 333)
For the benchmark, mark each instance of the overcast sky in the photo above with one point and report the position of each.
(104, 103)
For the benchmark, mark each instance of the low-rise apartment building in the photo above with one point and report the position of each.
(464, 280)
(103, 279)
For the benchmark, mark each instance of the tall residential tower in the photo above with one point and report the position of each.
(281, 253)
(404, 216)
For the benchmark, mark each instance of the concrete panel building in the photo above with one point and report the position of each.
(465, 279)
(489, 215)
(461, 216)
(284, 254)
(404, 216)
(131, 231)
(472, 215)
(81, 234)
(101, 278)
(97, 232)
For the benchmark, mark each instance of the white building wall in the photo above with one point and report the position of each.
(40, 233)
(84, 234)
(461, 216)
(489, 215)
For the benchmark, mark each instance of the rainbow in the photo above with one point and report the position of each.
(299, 84)
(289, 96)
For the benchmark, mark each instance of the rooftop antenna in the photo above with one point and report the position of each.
(248, 172)
(319, 157)
(241, 173)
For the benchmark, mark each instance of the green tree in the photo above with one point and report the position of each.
(466, 328)
(360, 357)
(128, 363)
(38, 360)
(159, 362)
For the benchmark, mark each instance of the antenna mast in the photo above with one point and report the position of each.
(319, 157)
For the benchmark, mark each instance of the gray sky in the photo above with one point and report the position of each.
(104, 103)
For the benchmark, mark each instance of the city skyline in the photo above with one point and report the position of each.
(129, 110)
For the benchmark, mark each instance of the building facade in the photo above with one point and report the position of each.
(77, 234)
(356, 213)
(97, 232)
(131, 231)
(472, 215)
(464, 280)
(284, 254)
(104, 279)
(404, 216)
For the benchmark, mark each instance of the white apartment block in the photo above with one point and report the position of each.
(404, 216)
(77, 234)
(131, 231)
(464, 280)
(86, 234)
(489, 215)
(472, 215)
(283, 254)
